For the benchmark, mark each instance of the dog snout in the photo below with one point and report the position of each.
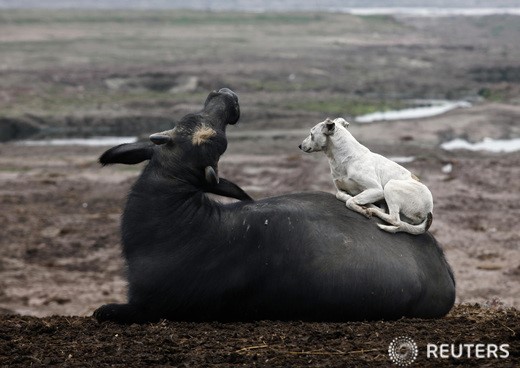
(300, 146)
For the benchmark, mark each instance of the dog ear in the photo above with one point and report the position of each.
(329, 126)
(342, 122)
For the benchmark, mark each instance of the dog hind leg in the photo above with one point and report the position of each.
(399, 197)
(392, 217)
(397, 225)
(407, 228)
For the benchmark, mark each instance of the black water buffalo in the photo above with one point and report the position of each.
(300, 256)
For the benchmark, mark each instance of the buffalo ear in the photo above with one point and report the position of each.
(127, 153)
(211, 176)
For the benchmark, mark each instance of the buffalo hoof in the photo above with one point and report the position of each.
(121, 313)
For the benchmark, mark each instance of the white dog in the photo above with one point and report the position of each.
(363, 178)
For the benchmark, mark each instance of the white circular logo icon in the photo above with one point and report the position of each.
(402, 351)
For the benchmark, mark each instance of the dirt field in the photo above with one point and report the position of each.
(68, 73)
(61, 210)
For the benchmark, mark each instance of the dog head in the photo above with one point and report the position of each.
(318, 138)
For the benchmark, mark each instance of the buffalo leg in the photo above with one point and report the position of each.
(122, 313)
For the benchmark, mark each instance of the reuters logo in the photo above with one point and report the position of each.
(402, 351)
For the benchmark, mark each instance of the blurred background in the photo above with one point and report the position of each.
(434, 85)
(71, 68)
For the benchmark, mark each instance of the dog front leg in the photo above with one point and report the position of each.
(343, 196)
(366, 197)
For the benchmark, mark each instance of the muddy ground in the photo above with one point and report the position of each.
(61, 210)
(69, 73)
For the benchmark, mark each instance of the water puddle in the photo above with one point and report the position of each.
(92, 142)
(426, 109)
(432, 11)
(488, 144)
(402, 159)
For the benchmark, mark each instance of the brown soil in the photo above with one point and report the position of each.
(81, 341)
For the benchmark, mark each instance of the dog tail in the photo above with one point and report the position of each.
(409, 228)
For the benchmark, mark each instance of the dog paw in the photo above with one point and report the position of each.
(367, 212)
